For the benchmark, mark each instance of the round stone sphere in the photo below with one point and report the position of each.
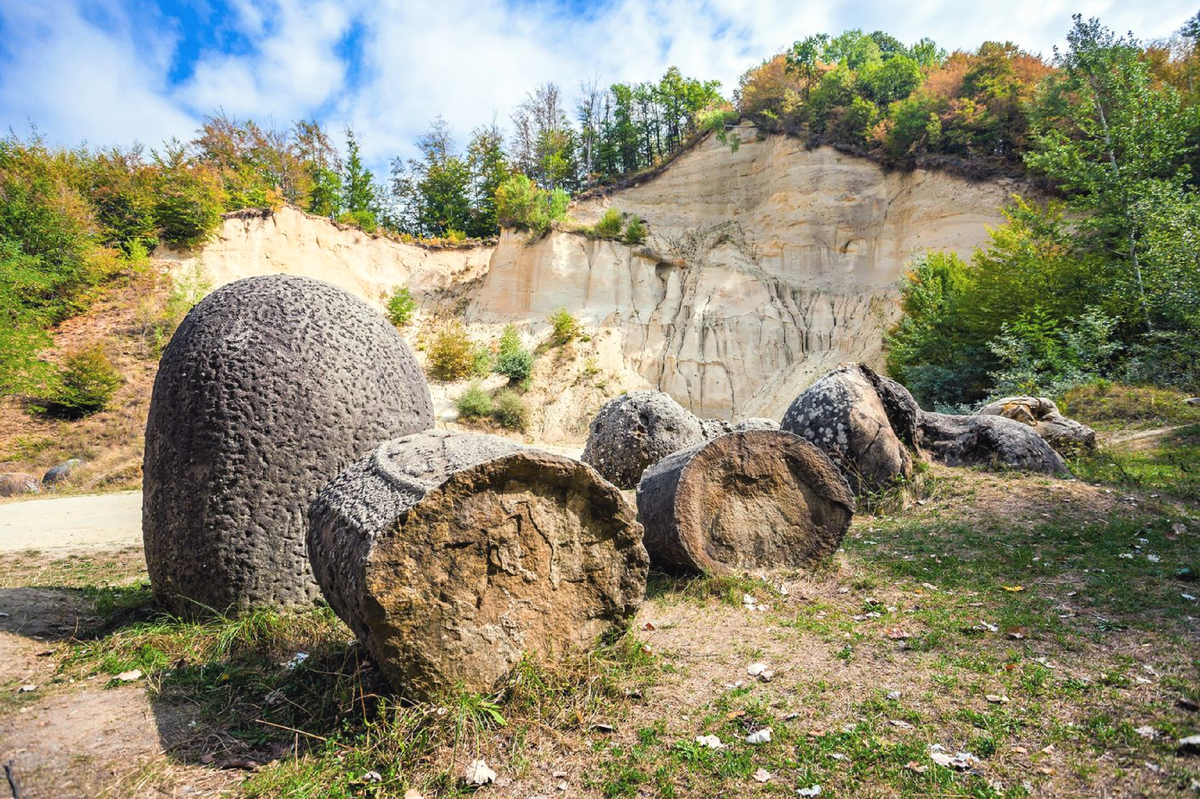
(270, 387)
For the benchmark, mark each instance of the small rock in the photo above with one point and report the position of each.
(413, 793)
(812, 790)
(759, 736)
(27, 689)
(1183, 703)
(894, 695)
(997, 699)
(1189, 745)
(904, 725)
(1147, 731)
(478, 773)
(710, 741)
(371, 777)
(755, 669)
(129, 676)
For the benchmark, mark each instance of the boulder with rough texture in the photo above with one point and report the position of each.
(756, 498)
(1065, 435)
(452, 555)
(755, 423)
(637, 429)
(844, 415)
(269, 388)
(60, 473)
(14, 484)
(989, 441)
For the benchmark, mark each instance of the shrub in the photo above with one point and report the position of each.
(510, 411)
(565, 327)
(364, 220)
(456, 236)
(513, 360)
(609, 226)
(635, 231)
(84, 385)
(160, 315)
(474, 403)
(400, 306)
(452, 354)
(520, 203)
(188, 205)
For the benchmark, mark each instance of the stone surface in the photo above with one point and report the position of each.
(451, 555)
(756, 423)
(1065, 435)
(14, 484)
(750, 499)
(268, 389)
(988, 441)
(638, 429)
(60, 473)
(844, 415)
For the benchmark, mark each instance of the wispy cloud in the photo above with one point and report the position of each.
(115, 71)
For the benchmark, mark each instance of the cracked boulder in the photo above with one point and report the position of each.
(453, 556)
(745, 500)
(1065, 435)
(993, 442)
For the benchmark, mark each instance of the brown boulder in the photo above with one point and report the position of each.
(15, 484)
(757, 498)
(1065, 435)
(453, 555)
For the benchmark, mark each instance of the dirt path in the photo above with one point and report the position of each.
(95, 521)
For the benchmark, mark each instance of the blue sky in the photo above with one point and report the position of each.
(119, 71)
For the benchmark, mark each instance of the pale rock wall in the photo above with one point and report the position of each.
(765, 267)
(292, 242)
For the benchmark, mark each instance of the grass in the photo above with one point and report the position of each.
(1114, 406)
(1171, 467)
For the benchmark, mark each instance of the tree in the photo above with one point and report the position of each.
(359, 203)
(488, 167)
(1108, 136)
(804, 57)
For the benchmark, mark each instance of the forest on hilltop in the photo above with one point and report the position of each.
(1102, 283)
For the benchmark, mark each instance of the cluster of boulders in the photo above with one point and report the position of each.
(14, 484)
(290, 455)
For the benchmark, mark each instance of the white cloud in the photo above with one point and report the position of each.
(84, 74)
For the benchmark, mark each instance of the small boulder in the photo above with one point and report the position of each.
(844, 415)
(1065, 435)
(61, 472)
(989, 441)
(15, 484)
(755, 423)
(453, 556)
(640, 428)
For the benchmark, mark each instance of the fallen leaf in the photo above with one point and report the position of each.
(997, 699)
(605, 728)
(1048, 749)
(1020, 750)
(734, 714)
(130, 676)
(896, 634)
(1183, 703)
(759, 736)
(913, 765)
(1013, 589)
(1147, 731)
(1046, 770)
(904, 725)
(762, 775)
(755, 669)
(478, 773)
(413, 793)
(894, 695)
(648, 627)
(560, 775)
(1016, 633)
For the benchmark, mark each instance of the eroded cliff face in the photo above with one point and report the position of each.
(765, 267)
(292, 242)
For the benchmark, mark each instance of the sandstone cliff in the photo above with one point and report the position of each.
(764, 268)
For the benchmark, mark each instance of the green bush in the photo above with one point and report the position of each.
(364, 220)
(520, 203)
(565, 327)
(609, 226)
(510, 411)
(400, 306)
(513, 360)
(474, 403)
(188, 205)
(84, 385)
(452, 355)
(635, 231)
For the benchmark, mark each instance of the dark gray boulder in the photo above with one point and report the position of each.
(61, 472)
(1042, 414)
(454, 555)
(988, 441)
(269, 388)
(844, 415)
(637, 429)
(745, 500)
(14, 484)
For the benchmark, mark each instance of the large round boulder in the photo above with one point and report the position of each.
(453, 556)
(1065, 435)
(637, 429)
(844, 415)
(745, 500)
(269, 388)
(14, 484)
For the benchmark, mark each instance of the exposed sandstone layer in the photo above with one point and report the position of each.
(764, 269)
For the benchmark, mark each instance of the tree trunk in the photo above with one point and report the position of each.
(756, 498)
(454, 555)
